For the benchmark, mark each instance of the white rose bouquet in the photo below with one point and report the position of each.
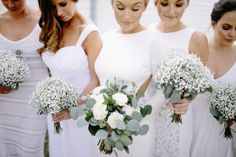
(223, 107)
(113, 116)
(182, 76)
(53, 95)
(13, 69)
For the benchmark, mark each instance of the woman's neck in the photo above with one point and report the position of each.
(165, 29)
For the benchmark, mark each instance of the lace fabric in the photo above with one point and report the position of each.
(166, 134)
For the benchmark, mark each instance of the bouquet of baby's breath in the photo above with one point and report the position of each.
(182, 76)
(113, 116)
(53, 95)
(223, 107)
(13, 69)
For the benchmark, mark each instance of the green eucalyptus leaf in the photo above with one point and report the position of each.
(133, 125)
(81, 122)
(175, 96)
(120, 125)
(125, 140)
(101, 134)
(119, 146)
(143, 129)
(114, 136)
(137, 116)
(75, 112)
(168, 90)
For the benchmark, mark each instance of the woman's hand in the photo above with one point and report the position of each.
(4, 90)
(180, 107)
(63, 115)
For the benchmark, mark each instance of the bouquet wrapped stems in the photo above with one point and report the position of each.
(182, 76)
(223, 107)
(113, 115)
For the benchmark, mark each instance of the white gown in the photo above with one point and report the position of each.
(22, 131)
(207, 140)
(127, 57)
(70, 63)
(171, 139)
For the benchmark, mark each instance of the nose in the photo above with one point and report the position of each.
(11, 4)
(59, 11)
(232, 33)
(126, 15)
(172, 9)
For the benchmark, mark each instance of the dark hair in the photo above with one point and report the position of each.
(51, 33)
(222, 7)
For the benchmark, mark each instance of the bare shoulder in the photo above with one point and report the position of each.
(198, 38)
(199, 45)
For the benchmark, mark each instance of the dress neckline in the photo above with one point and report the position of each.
(226, 73)
(21, 40)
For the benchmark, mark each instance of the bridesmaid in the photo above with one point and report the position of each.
(174, 140)
(126, 56)
(71, 44)
(207, 140)
(22, 131)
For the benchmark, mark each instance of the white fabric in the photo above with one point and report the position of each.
(70, 63)
(171, 140)
(22, 131)
(127, 57)
(207, 140)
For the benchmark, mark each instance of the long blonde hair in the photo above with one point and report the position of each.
(51, 34)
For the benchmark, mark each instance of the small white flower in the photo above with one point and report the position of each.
(99, 111)
(113, 118)
(120, 99)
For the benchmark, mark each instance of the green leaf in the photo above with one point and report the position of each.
(209, 89)
(146, 110)
(221, 119)
(93, 129)
(214, 112)
(114, 136)
(81, 122)
(125, 140)
(134, 102)
(127, 132)
(133, 125)
(119, 146)
(143, 129)
(120, 125)
(137, 116)
(101, 134)
(90, 103)
(168, 91)
(75, 112)
(175, 96)
(88, 116)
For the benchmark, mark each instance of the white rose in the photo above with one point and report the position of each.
(99, 98)
(120, 99)
(99, 111)
(98, 89)
(113, 118)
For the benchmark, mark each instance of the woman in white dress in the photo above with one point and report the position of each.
(207, 140)
(71, 45)
(22, 131)
(171, 139)
(126, 56)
